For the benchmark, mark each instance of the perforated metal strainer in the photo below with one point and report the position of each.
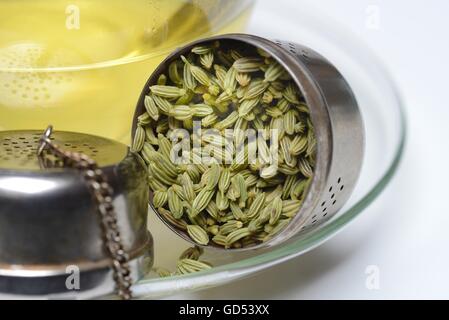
(50, 225)
(335, 116)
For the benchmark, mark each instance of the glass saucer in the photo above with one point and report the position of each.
(381, 107)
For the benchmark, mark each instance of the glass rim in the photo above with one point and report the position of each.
(133, 59)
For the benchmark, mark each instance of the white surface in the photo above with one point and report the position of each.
(405, 232)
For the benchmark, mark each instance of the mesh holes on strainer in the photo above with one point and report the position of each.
(19, 149)
(328, 201)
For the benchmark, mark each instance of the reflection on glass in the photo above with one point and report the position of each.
(81, 66)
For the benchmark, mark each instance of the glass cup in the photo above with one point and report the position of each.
(81, 66)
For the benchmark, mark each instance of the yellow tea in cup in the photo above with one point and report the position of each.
(80, 65)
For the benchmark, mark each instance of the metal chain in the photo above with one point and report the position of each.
(103, 195)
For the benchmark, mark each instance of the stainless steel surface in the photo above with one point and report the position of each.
(48, 218)
(336, 118)
(102, 193)
(44, 284)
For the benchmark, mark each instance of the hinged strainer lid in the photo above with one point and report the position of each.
(18, 149)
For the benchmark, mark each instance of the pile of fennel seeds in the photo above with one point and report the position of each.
(231, 205)
(188, 262)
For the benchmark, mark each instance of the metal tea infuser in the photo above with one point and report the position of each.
(72, 201)
(336, 118)
(72, 215)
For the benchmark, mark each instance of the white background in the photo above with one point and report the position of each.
(405, 232)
